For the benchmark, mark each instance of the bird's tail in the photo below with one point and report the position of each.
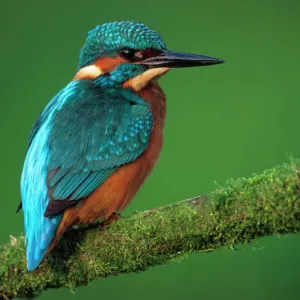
(39, 233)
(38, 243)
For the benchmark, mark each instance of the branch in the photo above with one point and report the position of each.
(262, 205)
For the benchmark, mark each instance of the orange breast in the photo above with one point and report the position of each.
(119, 189)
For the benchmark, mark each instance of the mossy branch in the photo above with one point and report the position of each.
(262, 205)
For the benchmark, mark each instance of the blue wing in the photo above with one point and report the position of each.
(80, 139)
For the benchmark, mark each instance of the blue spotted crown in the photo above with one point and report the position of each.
(115, 35)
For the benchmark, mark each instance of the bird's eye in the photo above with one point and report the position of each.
(128, 53)
(133, 55)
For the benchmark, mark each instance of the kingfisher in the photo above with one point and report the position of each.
(98, 139)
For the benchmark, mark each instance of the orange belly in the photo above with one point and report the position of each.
(119, 189)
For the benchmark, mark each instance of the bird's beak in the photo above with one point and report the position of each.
(173, 59)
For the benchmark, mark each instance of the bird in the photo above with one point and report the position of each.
(98, 139)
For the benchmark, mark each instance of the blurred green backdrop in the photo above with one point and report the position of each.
(225, 121)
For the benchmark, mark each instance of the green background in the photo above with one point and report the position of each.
(224, 121)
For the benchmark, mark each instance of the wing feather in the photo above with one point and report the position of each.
(84, 135)
(92, 135)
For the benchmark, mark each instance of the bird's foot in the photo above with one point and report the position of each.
(113, 217)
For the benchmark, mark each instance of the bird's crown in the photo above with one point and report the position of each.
(117, 35)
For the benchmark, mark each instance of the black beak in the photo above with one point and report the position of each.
(173, 59)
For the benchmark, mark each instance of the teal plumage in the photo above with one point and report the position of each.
(115, 35)
(95, 128)
(93, 133)
(87, 134)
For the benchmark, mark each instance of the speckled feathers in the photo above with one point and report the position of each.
(94, 144)
(116, 35)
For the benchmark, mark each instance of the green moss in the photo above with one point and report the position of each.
(245, 209)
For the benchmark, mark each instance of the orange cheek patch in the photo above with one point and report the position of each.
(108, 64)
(101, 66)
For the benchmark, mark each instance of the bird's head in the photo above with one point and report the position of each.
(129, 54)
